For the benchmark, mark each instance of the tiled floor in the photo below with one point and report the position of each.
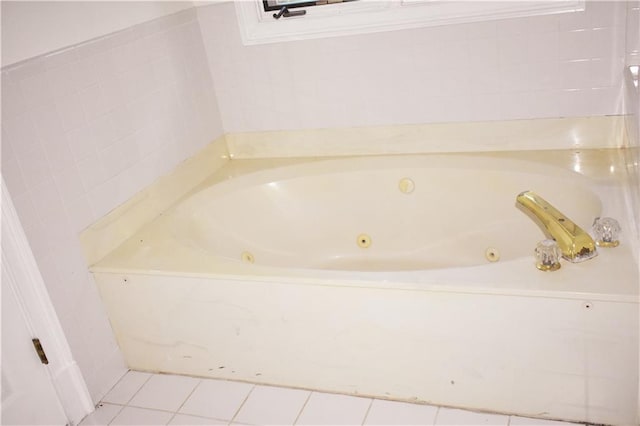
(159, 399)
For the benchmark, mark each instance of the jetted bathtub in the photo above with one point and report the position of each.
(405, 277)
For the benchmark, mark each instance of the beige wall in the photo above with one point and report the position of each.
(34, 28)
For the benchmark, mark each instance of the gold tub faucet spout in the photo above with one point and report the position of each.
(575, 244)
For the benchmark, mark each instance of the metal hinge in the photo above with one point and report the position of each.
(40, 351)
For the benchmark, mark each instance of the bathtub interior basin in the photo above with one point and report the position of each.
(378, 214)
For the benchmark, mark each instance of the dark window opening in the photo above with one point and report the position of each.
(270, 5)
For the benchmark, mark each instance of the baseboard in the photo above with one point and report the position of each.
(73, 392)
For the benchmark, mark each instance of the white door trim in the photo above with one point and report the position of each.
(42, 320)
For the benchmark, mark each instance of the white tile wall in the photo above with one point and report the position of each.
(632, 107)
(633, 33)
(85, 128)
(546, 66)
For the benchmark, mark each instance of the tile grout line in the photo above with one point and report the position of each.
(103, 402)
(303, 407)
(254, 385)
(435, 418)
(149, 409)
(114, 385)
(171, 418)
(185, 400)
(366, 414)
(132, 396)
(141, 386)
(242, 404)
(117, 414)
(129, 400)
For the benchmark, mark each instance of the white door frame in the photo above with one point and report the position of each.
(41, 316)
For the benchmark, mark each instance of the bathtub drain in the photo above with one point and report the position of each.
(492, 254)
(406, 185)
(363, 241)
(247, 257)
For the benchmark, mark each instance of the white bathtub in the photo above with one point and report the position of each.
(343, 275)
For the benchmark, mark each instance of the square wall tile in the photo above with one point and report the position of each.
(81, 142)
(164, 392)
(36, 89)
(12, 101)
(272, 405)
(391, 412)
(69, 183)
(13, 175)
(71, 112)
(35, 167)
(20, 133)
(218, 399)
(330, 409)
(58, 152)
(61, 79)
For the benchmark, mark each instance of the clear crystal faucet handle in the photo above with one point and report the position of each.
(606, 231)
(547, 255)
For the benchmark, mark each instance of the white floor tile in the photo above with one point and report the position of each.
(164, 392)
(400, 413)
(272, 406)
(329, 409)
(218, 399)
(128, 385)
(141, 416)
(450, 416)
(103, 414)
(186, 420)
(526, 421)
(153, 399)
